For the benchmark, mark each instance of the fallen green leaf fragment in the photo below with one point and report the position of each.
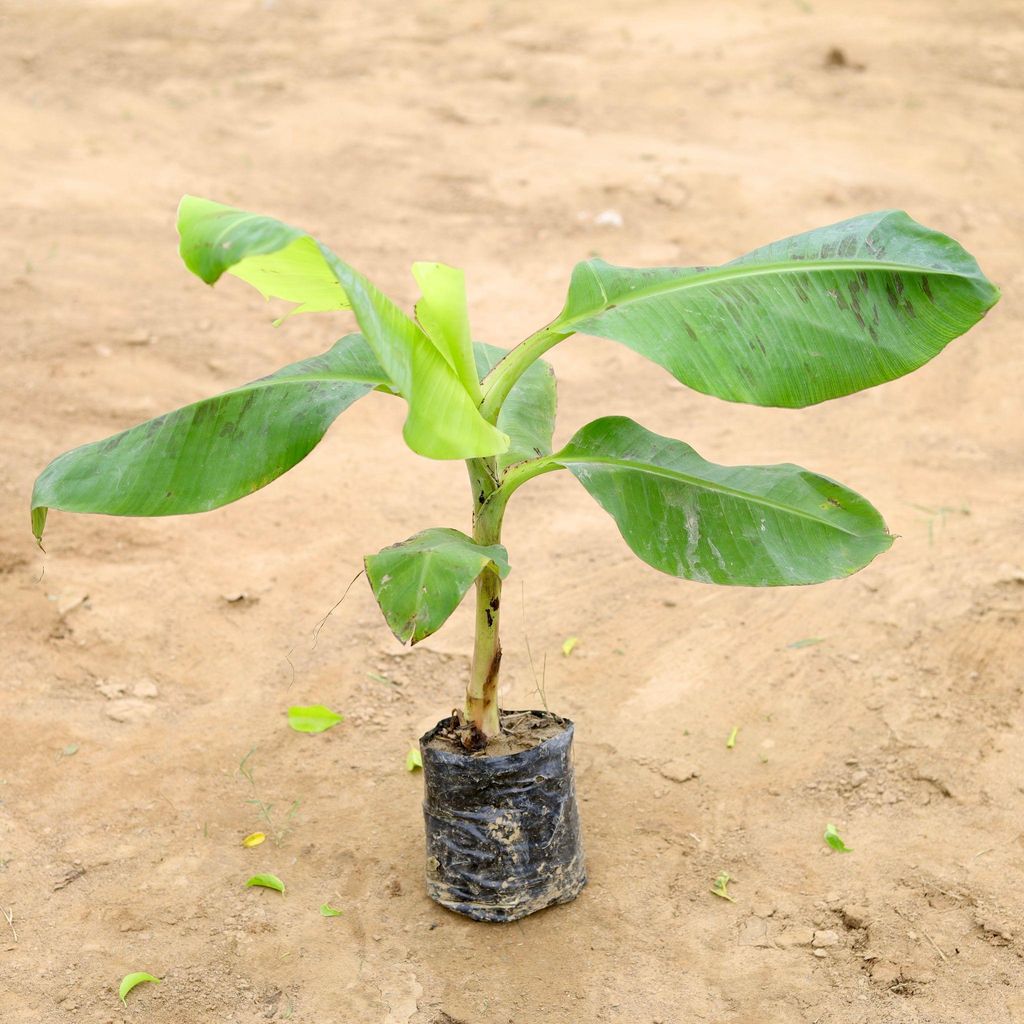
(731, 741)
(834, 840)
(413, 760)
(569, 644)
(131, 980)
(266, 882)
(811, 641)
(326, 910)
(70, 750)
(254, 839)
(720, 887)
(315, 718)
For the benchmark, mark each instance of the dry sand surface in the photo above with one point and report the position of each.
(493, 136)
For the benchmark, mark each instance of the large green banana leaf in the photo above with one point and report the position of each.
(808, 318)
(283, 262)
(214, 451)
(421, 581)
(755, 526)
(528, 413)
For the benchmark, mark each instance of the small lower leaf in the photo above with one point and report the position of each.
(568, 644)
(419, 582)
(326, 910)
(313, 718)
(721, 886)
(833, 839)
(413, 760)
(266, 882)
(131, 980)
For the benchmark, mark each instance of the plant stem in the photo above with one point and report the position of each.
(490, 496)
(482, 692)
(500, 381)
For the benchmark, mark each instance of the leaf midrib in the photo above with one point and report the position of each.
(304, 379)
(703, 484)
(704, 278)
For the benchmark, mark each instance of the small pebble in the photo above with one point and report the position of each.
(609, 219)
(145, 688)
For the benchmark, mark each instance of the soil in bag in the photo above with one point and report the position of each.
(503, 831)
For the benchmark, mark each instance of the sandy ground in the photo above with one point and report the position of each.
(492, 136)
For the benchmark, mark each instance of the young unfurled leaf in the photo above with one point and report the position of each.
(280, 261)
(131, 980)
(413, 760)
(568, 644)
(444, 421)
(720, 887)
(326, 910)
(266, 882)
(314, 718)
(443, 316)
(833, 839)
(731, 741)
(253, 839)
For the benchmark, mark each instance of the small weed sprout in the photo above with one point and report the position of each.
(278, 831)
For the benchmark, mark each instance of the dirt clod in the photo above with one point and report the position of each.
(855, 916)
(795, 935)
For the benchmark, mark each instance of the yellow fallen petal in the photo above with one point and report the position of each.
(254, 839)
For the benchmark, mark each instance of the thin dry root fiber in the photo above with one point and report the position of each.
(503, 833)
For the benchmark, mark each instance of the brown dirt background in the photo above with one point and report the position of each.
(491, 135)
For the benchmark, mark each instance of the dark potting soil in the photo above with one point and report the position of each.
(520, 730)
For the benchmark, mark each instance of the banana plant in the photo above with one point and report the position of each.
(812, 317)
